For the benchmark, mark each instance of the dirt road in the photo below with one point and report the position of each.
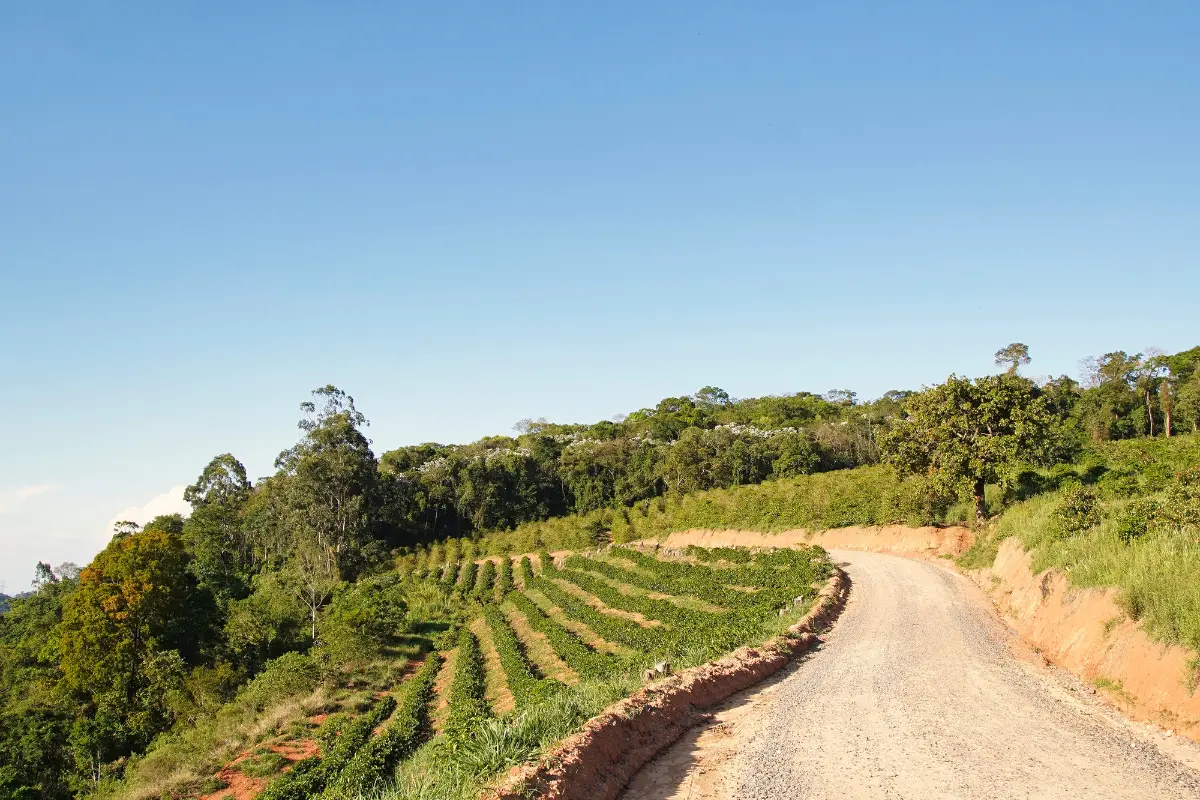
(919, 692)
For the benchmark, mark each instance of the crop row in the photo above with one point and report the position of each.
(449, 576)
(609, 626)
(485, 582)
(374, 762)
(694, 581)
(504, 580)
(467, 575)
(522, 677)
(309, 776)
(570, 648)
(468, 701)
(776, 575)
(661, 610)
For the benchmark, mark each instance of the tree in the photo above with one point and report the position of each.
(1014, 356)
(135, 612)
(223, 481)
(215, 534)
(333, 480)
(965, 434)
(1187, 402)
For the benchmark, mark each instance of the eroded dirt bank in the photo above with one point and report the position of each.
(1086, 632)
(925, 541)
(917, 693)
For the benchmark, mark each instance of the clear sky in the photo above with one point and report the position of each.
(469, 213)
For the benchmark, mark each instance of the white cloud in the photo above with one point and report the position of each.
(12, 499)
(169, 502)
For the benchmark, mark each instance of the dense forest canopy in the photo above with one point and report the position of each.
(173, 619)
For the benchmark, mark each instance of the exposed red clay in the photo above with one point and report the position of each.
(899, 539)
(1086, 632)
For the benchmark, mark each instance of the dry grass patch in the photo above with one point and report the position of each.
(441, 690)
(599, 605)
(498, 693)
(537, 648)
(585, 634)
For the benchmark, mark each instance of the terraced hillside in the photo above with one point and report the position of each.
(536, 645)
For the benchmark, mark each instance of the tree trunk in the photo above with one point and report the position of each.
(1150, 413)
(980, 504)
(1166, 401)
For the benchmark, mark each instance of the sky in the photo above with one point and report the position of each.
(465, 214)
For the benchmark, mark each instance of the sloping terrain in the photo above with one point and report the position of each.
(919, 692)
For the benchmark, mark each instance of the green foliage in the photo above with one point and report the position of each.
(965, 434)
(309, 777)
(523, 679)
(566, 645)
(373, 764)
(362, 618)
(289, 675)
(1137, 518)
(128, 632)
(485, 584)
(504, 580)
(467, 576)
(1076, 510)
(468, 704)
(1141, 547)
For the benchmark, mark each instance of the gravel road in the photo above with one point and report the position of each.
(917, 693)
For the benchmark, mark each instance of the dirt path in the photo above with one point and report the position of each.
(919, 692)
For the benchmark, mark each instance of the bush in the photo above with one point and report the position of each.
(287, 676)
(468, 703)
(1077, 510)
(485, 582)
(363, 617)
(504, 581)
(1138, 518)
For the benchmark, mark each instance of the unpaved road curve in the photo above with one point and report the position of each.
(917, 694)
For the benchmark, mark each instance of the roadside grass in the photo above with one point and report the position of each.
(1156, 575)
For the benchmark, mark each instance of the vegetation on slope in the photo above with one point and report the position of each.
(129, 676)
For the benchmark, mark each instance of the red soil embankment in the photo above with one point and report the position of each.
(1086, 632)
(927, 541)
(597, 762)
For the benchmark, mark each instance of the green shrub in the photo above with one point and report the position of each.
(262, 765)
(486, 580)
(363, 617)
(466, 577)
(1077, 510)
(1137, 518)
(467, 700)
(524, 681)
(504, 580)
(289, 675)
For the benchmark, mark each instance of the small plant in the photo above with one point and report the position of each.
(210, 785)
(1139, 516)
(1077, 510)
(262, 765)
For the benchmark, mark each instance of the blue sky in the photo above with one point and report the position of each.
(465, 216)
